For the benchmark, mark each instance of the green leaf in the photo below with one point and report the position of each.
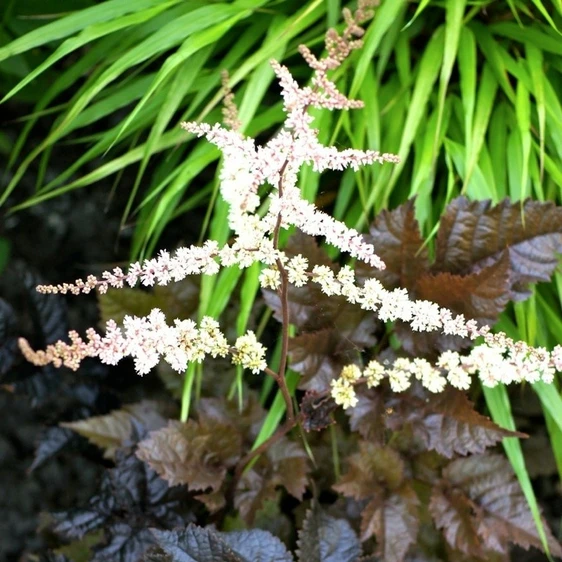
(197, 41)
(535, 67)
(484, 105)
(421, 7)
(82, 19)
(453, 26)
(88, 36)
(386, 16)
(523, 114)
(493, 53)
(551, 401)
(174, 96)
(426, 75)
(539, 37)
(497, 401)
(546, 14)
(467, 74)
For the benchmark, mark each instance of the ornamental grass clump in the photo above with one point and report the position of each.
(344, 313)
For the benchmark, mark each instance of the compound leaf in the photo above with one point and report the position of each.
(112, 430)
(480, 506)
(474, 234)
(197, 454)
(446, 422)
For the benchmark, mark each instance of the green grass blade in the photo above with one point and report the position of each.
(113, 100)
(187, 391)
(477, 188)
(555, 435)
(492, 51)
(165, 38)
(545, 14)
(514, 12)
(467, 73)
(226, 281)
(540, 38)
(497, 146)
(166, 203)
(426, 76)
(421, 7)
(500, 410)
(523, 115)
(276, 411)
(248, 291)
(189, 47)
(166, 141)
(551, 401)
(81, 67)
(517, 183)
(386, 16)
(535, 67)
(333, 12)
(484, 105)
(453, 25)
(86, 37)
(161, 40)
(82, 19)
(262, 76)
(174, 96)
(423, 173)
(402, 55)
(292, 27)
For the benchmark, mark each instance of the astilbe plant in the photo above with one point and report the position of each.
(417, 395)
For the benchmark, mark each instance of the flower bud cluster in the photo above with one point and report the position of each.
(497, 360)
(400, 375)
(249, 353)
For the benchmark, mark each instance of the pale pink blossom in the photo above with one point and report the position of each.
(148, 340)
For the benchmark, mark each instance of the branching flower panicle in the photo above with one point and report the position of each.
(149, 339)
(245, 167)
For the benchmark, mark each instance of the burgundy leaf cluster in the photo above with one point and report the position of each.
(418, 480)
(485, 257)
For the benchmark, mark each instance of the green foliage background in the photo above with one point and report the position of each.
(469, 94)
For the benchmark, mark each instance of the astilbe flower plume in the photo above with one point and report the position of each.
(247, 166)
(148, 340)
